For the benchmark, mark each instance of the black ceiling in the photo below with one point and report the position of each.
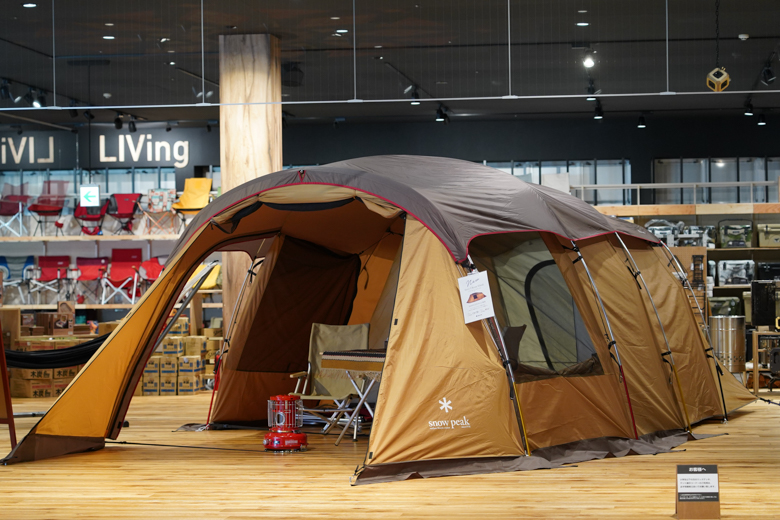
(454, 51)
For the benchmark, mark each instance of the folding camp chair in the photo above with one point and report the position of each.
(122, 276)
(86, 277)
(194, 198)
(149, 271)
(91, 218)
(12, 204)
(49, 203)
(50, 275)
(122, 207)
(17, 271)
(159, 216)
(319, 385)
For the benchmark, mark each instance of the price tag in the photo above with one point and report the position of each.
(475, 297)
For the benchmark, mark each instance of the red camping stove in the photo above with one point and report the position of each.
(285, 420)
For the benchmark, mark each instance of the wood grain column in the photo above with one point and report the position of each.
(250, 135)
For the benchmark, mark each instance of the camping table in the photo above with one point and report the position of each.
(365, 364)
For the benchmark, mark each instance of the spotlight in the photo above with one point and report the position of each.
(767, 76)
(40, 101)
(441, 116)
(118, 121)
(208, 127)
(762, 120)
(748, 109)
(415, 97)
(587, 60)
(5, 90)
(591, 91)
(27, 98)
(167, 127)
(641, 123)
(599, 114)
(72, 111)
(88, 115)
(131, 126)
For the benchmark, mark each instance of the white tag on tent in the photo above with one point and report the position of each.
(475, 297)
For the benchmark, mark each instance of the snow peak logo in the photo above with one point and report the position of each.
(448, 424)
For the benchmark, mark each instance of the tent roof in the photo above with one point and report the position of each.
(457, 200)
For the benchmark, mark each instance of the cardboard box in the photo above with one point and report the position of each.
(153, 366)
(172, 346)
(150, 385)
(107, 327)
(194, 345)
(31, 388)
(169, 365)
(189, 384)
(32, 345)
(59, 385)
(168, 384)
(64, 373)
(181, 327)
(28, 320)
(214, 343)
(31, 373)
(55, 323)
(189, 365)
(139, 389)
(208, 370)
(212, 333)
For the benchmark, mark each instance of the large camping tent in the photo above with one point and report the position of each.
(594, 318)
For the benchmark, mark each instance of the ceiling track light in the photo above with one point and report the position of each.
(118, 121)
(641, 123)
(5, 90)
(748, 109)
(587, 60)
(88, 115)
(415, 97)
(762, 120)
(599, 113)
(27, 98)
(767, 76)
(131, 125)
(441, 115)
(40, 101)
(167, 127)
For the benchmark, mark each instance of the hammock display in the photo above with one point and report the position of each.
(66, 357)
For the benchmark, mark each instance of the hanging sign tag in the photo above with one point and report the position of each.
(475, 297)
(698, 491)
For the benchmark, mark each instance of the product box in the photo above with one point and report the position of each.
(64, 373)
(189, 384)
(168, 384)
(107, 327)
(30, 387)
(212, 333)
(153, 365)
(194, 345)
(181, 327)
(31, 373)
(189, 365)
(59, 385)
(151, 385)
(55, 323)
(66, 307)
(28, 320)
(169, 365)
(32, 345)
(208, 370)
(172, 346)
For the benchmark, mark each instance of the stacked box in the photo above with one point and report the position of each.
(31, 388)
(213, 346)
(169, 365)
(194, 346)
(107, 327)
(59, 385)
(172, 346)
(212, 333)
(168, 384)
(181, 327)
(189, 384)
(65, 373)
(189, 365)
(151, 385)
(31, 373)
(152, 367)
(55, 323)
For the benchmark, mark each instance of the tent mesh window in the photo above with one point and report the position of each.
(542, 327)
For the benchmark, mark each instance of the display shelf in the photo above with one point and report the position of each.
(87, 238)
(79, 306)
(657, 210)
(740, 287)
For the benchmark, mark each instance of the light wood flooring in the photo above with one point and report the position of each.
(130, 481)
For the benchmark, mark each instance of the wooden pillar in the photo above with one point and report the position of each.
(250, 136)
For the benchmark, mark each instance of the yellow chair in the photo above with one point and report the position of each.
(212, 280)
(194, 198)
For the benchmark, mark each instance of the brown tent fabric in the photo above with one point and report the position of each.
(442, 400)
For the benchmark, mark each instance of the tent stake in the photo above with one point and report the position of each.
(495, 335)
(661, 325)
(609, 331)
(687, 285)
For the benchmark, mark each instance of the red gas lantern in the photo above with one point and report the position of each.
(285, 419)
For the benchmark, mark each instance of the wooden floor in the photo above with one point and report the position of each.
(129, 481)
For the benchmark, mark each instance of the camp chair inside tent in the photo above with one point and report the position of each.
(122, 206)
(51, 275)
(159, 216)
(194, 198)
(12, 203)
(122, 276)
(86, 277)
(327, 385)
(91, 218)
(213, 279)
(49, 204)
(149, 271)
(17, 271)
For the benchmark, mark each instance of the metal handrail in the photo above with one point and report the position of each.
(582, 188)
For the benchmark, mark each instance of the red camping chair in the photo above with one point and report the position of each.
(50, 275)
(12, 204)
(122, 277)
(122, 207)
(49, 204)
(91, 218)
(88, 270)
(150, 271)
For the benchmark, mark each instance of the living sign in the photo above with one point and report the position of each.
(143, 149)
(26, 150)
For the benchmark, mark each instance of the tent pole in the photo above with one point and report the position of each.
(661, 325)
(495, 334)
(609, 332)
(229, 330)
(687, 285)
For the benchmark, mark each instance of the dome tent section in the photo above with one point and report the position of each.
(421, 213)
